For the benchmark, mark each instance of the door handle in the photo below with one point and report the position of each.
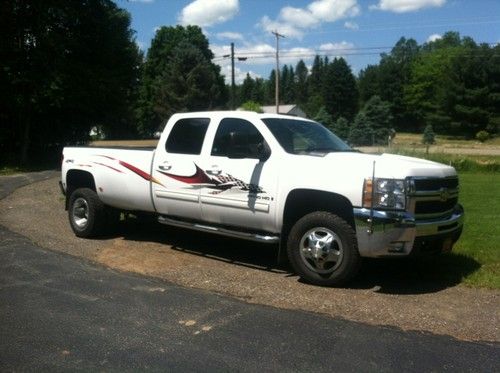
(165, 166)
(214, 171)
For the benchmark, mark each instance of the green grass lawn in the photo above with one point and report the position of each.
(475, 259)
(480, 241)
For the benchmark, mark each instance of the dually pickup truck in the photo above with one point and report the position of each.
(272, 179)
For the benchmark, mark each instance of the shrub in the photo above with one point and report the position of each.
(252, 106)
(482, 136)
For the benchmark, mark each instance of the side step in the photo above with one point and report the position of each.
(263, 238)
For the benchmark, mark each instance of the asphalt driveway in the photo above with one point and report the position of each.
(58, 312)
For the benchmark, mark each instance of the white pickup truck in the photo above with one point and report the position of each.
(275, 179)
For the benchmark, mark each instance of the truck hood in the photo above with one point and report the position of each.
(388, 165)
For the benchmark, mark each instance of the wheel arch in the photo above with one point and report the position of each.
(78, 179)
(301, 202)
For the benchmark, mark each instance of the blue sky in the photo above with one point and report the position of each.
(358, 30)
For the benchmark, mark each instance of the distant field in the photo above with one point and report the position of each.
(444, 144)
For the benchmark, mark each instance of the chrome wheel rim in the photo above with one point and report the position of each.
(80, 212)
(321, 250)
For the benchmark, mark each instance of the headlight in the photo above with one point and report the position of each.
(386, 194)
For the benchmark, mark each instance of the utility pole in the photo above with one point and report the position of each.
(232, 76)
(277, 75)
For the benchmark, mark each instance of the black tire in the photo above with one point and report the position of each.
(323, 250)
(87, 214)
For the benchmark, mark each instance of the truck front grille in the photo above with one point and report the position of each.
(432, 197)
(436, 184)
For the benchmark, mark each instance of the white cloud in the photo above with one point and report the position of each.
(403, 6)
(336, 49)
(240, 71)
(351, 25)
(299, 17)
(230, 35)
(333, 10)
(292, 22)
(239, 74)
(205, 13)
(434, 37)
(287, 29)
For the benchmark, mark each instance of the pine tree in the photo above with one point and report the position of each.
(341, 128)
(339, 90)
(428, 137)
(323, 117)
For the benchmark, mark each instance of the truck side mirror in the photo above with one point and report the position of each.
(264, 151)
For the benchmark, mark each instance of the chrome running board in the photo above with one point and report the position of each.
(263, 238)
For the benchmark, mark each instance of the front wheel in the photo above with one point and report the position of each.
(322, 249)
(87, 214)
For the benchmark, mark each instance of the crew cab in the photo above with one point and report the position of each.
(272, 179)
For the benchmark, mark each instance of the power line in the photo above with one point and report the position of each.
(314, 52)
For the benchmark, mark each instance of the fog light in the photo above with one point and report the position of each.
(397, 247)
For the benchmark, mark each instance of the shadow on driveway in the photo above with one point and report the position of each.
(421, 275)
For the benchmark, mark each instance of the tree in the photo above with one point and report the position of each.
(339, 90)
(324, 118)
(341, 128)
(454, 86)
(301, 73)
(361, 132)
(178, 76)
(65, 67)
(247, 88)
(372, 123)
(368, 83)
(315, 83)
(287, 87)
(270, 88)
(428, 138)
(393, 75)
(252, 106)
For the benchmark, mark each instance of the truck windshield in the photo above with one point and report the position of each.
(303, 137)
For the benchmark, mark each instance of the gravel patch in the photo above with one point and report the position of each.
(380, 296)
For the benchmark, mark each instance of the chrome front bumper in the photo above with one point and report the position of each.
(391, 233)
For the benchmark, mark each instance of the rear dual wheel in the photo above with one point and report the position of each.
(88, 216)
(322, 249)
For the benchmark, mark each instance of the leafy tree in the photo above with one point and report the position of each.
(454, 86)
(178, 76)
(64, 67)
(393, 75)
